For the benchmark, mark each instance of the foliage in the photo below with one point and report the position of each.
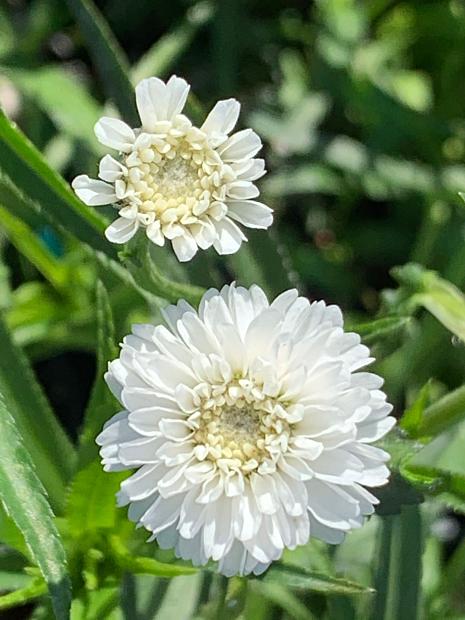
(363, 115)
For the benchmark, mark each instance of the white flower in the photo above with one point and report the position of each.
(177, 181)
(250, 424)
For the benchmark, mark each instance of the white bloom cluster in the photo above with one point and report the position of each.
(250, 424)
(176, 181)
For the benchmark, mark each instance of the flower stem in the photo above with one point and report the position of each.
(139, 262)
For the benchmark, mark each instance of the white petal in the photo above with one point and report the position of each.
(184, 247)
(241, 145)
(93, 192)
(157, 101)
(110, 170)
(121, 230)
(242, 190)
(221, 120)
(114, 133)
(250, 213)
(230, 237)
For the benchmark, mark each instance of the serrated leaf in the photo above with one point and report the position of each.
(91, 501)
(108, 57)
(380, 329)
(300, 579)
(23, 497)
(27, 169)
(51, 451)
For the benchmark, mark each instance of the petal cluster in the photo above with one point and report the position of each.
(250, 426)
(190, 185)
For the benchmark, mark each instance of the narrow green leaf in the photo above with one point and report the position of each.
(12, 580)
(383, 561)
(282, 597)
(27, 242)
(441, 415)
(91, 501)
(24, 595)
(144, 565)
(413, 416)
(164, 53)
(300, 579)
(180, 599)
(24, 499)
(379, 329)
(26, 168)
(50, 448)
(108, 57)
(405, 568)
(102, 404)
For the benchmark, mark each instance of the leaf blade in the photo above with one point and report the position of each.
(24, 498)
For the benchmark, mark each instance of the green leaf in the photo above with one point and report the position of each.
(27, 242)
(282, 597)
(440, 297)
(396, 494)
(300, 579)
(441, 415)
(102, 404)
(144, 565)
(165, 52)
(26, 168)
(24, 595)
(91, 501)
(107, 56)
(63, 98)
(50, 448)
(23, 497)
(379, 329)
(413, 416)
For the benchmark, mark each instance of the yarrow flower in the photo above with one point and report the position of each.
(177, 181)
(251, 426)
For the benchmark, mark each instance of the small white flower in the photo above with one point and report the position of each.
(177, 181)
(250, 424)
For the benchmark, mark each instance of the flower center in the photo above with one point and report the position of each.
(240, 428)
(174, 174)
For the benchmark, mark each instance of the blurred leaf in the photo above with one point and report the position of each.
(284, 598)
(50, 449)
(63, 98)
(108, 57)
(300, 579)
(91, 503)
(98, 605)
(24, 498)
(303, 179)
(102, 404)
(11, 580)
(180, 599)
(442, 298)
(396, 494)
(163, 54)
(25, 595)
(27, 242)
(27, 169)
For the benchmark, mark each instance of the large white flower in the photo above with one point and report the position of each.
(250, 424)
(177, 181)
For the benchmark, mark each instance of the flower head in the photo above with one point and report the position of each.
(250, 424)
(177, 181)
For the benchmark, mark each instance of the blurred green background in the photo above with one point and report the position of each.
(361, 107)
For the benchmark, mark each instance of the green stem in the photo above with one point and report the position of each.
(139, 262)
